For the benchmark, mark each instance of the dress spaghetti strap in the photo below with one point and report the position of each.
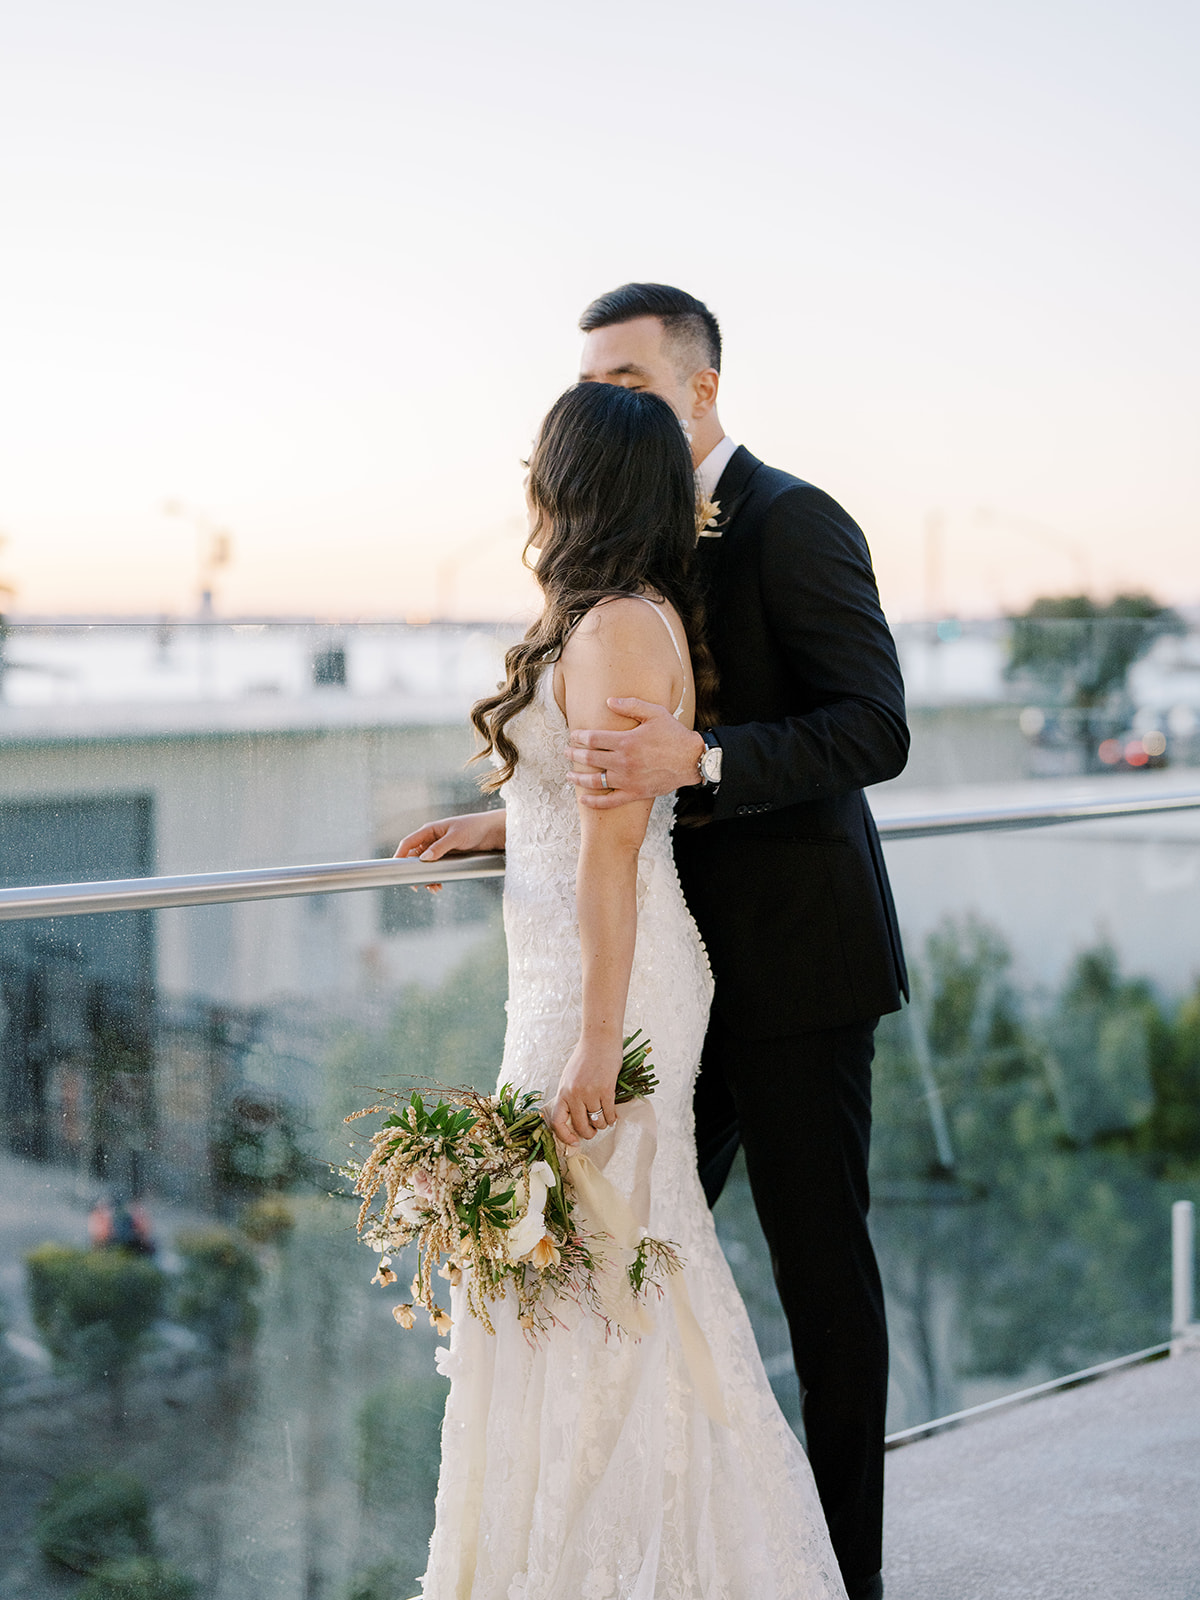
(666, 622)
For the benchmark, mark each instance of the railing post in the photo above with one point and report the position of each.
(923, 1055)
(1185, 1332)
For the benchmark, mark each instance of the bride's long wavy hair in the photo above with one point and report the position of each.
(613, 492)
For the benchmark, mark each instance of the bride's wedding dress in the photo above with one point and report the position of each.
(586, 1467)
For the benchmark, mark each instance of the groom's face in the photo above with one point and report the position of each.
(638, 355)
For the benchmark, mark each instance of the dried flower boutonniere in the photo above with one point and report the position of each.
(707, 513)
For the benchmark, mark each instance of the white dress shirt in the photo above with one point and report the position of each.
(708, 473)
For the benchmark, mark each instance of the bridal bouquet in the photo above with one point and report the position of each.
(477, 1181)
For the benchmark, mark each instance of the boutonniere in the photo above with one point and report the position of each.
(707, 514)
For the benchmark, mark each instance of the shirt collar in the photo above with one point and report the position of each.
(708, 473)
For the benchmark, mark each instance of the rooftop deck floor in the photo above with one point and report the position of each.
(1088, 1494)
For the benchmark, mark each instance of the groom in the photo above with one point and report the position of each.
(783, 872)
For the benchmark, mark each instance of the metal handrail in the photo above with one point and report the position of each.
(1072, 1380)
(276, 883)
(998, 819)
(255, 883)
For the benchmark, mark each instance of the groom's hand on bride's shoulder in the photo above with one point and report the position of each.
(657, 757)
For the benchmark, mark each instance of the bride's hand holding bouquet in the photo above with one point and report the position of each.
(586, 1102)
(483, 1188)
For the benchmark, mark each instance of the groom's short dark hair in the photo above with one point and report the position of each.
(685, 318)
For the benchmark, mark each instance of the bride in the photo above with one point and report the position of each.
(586, 1466)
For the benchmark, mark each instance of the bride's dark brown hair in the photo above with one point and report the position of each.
(611, 483)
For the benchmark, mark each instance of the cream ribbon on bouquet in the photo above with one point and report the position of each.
(608, 1211)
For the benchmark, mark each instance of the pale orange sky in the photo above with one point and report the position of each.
(314, 272)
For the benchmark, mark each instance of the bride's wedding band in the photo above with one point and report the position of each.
(604, 780)
(595, 1116)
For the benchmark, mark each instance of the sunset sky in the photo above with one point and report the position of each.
(312, 271)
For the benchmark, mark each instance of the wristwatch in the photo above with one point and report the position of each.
(709, 765)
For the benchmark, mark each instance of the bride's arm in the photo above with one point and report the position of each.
(620, 642)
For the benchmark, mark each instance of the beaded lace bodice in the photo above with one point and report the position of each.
(586, 1467)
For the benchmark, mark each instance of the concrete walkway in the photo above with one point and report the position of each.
(1089, 1494)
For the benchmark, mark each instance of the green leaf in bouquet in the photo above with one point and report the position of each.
(635, 1080)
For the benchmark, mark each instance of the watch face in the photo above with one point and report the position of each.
(710, 764)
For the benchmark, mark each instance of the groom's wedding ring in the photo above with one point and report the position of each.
(604, 780)
(595, 1116)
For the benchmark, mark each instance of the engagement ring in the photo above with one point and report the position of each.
(595, 1116)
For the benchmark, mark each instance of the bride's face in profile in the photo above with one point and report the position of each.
(533, 540)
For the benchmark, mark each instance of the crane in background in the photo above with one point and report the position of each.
(7, 590)
(6, 593)
(446, 584)
(214, 550)
(1048, 537)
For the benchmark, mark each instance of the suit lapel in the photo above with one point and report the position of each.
(733, 489)
(734, 484)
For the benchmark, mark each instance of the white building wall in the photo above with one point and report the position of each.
(225, 801)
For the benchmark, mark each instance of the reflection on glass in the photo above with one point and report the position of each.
(1073, 1120)
(197, 1375)
(184, 1296)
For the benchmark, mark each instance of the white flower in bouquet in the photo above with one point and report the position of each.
(530, 1228)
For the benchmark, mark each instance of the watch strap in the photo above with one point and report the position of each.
(711, 742)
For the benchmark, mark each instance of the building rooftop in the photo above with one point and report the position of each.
(62, 683)
(1091, 1493)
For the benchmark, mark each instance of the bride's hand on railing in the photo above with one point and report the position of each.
(455, 836)
(588, 1085)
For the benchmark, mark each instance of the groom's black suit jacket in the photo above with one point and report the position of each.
(784, 874)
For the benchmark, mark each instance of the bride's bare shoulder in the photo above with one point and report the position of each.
(619, 649)
(619, 624)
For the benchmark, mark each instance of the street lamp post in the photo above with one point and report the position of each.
(214, 549)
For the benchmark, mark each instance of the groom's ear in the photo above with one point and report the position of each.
(704, 386)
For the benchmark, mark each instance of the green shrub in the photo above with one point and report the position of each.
(1173, 1130)
(93, 1308)
(8, 1362)
(383, 1582)
(90, 1518)
(267, 1221)
(139, 1578)
(216, 1291)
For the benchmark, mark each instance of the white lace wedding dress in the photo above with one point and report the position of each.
(586, 1468)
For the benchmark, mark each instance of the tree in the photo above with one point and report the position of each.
(94, 1309)
(100, 1524)
(139, 1578)
(1074, 1123)
(215, 1296)
(1078, 655)
(91, 1518)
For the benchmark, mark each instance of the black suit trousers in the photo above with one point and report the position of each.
(801, 1108)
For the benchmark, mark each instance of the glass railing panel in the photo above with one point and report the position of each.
(182, 1295)
(1036, 1107)
(1032, 1128)
(177, 1080)
(1032, 1114)
(126, 751)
